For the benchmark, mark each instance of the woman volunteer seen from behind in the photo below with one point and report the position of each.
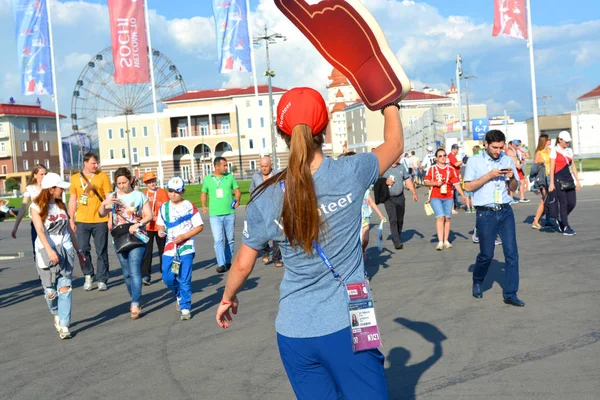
(313, 207)
(129, 206)
(562, 183)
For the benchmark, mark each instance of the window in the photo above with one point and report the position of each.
(46, 146)
(252, 165)
(111, 154)
(262, 122)
(25, 165)
(2, 146)
(249, 123)
(260, 103)
(204, 128)
(110, 134)
(229, 166)
(251, 143)
(122, 153)
(272, 102)
(24, 146)
(412, 119)
(24, 127)
(247, 103)
(122, 133)
(4, 170)
(225, 127)
(35, 146)
(1, 128)
(33, 127)
(146, 151)
(264, 143)
(133, 132)
(44, 128)
(47, 163)
(134, 155)
(36, 162)
(145, 129)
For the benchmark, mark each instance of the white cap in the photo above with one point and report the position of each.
(429, 148)
(564, 135)
(54, 180)
(176, 183)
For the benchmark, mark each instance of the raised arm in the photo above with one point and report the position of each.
(393, 139)
(20, 215)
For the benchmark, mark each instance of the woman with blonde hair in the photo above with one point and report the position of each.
(33, 189)
(313, 208)
(55, 248)
(542, 158)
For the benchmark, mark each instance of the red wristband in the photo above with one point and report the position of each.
(226, 303)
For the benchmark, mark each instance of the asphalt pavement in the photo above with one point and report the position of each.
(439, 342)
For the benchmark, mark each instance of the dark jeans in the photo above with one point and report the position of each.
(99, 231)
(33, 237)
(566, 203)
(456, 201)
(394, 206)
(147, 262)
(276, 251)
(489, 224)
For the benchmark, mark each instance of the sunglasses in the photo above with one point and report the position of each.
(441, 156)
(173, 191)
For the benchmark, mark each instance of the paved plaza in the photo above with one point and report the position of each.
(439, 342)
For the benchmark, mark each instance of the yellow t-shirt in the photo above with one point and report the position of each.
(545, 154)
(88, 213)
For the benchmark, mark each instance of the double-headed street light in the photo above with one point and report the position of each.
(269, 73)
(466, 79)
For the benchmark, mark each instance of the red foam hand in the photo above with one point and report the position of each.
(347, 35)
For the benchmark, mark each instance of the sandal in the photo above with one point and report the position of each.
(135, 314)
(265, 260)
(278, 264)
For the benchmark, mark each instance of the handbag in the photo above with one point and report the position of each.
(123, 240)
(428, 209)
(565, 186)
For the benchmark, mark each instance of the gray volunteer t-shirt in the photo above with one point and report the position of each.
(400, 174)
(312, 302)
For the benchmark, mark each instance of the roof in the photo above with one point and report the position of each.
(339, 106)
(452, 89)
(26, 110)
(337, 79)
(592, 94)
(339, 93)
(223, 93)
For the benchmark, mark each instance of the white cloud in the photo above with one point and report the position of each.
(73, 61)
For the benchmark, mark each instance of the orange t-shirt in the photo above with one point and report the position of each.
(155, 199)
(447, 175)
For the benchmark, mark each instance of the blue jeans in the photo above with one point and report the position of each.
(489, 224)
(131, 264)
(325, 367)
(223, 227)
(441, 207)
(60, 304)
(181, 284)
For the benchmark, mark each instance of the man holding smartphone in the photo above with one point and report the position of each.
(490, 176)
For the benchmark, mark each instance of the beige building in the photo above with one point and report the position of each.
(340, 93)
(427, 118)
(194, 128)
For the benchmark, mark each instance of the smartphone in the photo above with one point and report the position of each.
(506, 170)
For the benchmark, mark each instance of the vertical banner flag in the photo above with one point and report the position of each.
(233, 44)
(128, 34)
(510, 18)
(33, 46)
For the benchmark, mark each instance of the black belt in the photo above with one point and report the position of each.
(496, 207)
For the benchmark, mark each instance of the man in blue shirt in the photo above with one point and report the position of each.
(490, 176)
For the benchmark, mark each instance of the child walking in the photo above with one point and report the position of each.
(179, 221)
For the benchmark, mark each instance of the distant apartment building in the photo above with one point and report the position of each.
(27, 137)
(195, 128)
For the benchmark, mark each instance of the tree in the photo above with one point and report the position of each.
(11, 184)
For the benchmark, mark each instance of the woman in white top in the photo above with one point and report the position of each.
(34, 187)
(55, 249)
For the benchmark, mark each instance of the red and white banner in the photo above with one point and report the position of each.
(128, 33)
(510, 18)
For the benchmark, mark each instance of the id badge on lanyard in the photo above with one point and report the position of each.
(361, 310)
(219, 191)
(176, 264)
(498, 194)
(83, 199)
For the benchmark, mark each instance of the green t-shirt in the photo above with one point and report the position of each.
(224, 187)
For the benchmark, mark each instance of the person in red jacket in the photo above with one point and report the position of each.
(443, 180)
(156, 198)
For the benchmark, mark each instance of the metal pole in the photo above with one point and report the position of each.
(55, 95)
(269, 74)
(156, 127)
(468, 113)
(128, 145)
(460, 118)
(255, 81)
(578, 134)
(536, 127)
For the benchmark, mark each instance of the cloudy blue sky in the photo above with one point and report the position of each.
(426, 36)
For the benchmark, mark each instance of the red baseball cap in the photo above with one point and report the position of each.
(302, 105)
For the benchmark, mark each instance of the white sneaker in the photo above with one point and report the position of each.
(102, 287)
(447, 245)
(475, 238)
(498, 242)
(89, 283)
(64, 333)
(57, 323)
(440, 246)
(185, 314)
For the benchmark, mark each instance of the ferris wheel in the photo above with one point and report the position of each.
(96, 95)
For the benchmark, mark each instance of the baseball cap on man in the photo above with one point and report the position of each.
(176, 183)
(54, 180)
(429, 148)
(564, 135)
(455, 146)
(302, 105)
(148, 176)
(516, 142)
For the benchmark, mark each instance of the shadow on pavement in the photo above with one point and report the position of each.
(402, 379)
(495, 274)
(407, 235)
(214, 299)
(451, 236)
(377, 259)
(20, 293)
(101, 318)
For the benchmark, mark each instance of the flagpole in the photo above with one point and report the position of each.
(153, 88)
(253, 61)
(55, 94)
(536, 128)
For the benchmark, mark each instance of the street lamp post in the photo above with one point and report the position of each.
(270, 39)
(466, 78)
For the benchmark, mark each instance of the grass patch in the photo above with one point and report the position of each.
(192, 193)
(592, 164)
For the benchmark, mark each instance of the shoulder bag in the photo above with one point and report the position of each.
(124, 241)
(92, 187)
